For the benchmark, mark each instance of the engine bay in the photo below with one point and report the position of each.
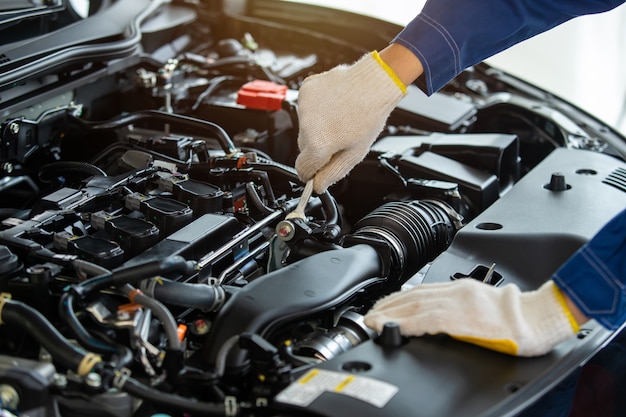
(147, 247)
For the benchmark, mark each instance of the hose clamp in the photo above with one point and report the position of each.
(454, 217)
(147, 286)
(4, 297)
(87, 364)
(231, 407)
(121, 377)
(220, 298)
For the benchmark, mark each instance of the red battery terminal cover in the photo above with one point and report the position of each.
(262, 95)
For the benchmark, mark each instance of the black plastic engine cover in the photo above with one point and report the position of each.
(532, 230)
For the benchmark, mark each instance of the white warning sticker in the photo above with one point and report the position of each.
(317, 381)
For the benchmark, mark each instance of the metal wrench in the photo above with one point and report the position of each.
(298, 212)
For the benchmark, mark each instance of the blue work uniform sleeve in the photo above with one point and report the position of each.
(594, 277)
(451, 35)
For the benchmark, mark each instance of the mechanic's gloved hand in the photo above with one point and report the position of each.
(498, 318)
(341, 113)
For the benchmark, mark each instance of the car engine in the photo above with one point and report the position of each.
(150, 261)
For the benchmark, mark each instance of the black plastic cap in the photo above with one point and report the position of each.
(390, 336)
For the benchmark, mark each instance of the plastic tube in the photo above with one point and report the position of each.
(329, 205)
(330, 208)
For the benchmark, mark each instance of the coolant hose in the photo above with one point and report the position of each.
(176, 402)
(18, 314)
(136, 273)
(201, 296)
(136, 296)
(330, 208)
(255, 199)
(329, 205)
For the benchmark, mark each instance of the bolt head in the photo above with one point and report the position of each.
(285, 230)
(14, 128)
(60, 380)
(93, 380)
(7, 167)
(9, 396)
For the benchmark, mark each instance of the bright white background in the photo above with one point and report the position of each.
(582, 61)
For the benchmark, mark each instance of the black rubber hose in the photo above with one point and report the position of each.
(197, 125)
(123, 355)
(215, 83)
(264, 179)
(330, 208)
(18, 314)
(89, 269)
(201, 296)
(329, 205)
(127, 275)
(136, 273)
(255, 199)
(175, 402)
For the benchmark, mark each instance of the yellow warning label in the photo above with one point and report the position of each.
(344, 383)
(306, 378)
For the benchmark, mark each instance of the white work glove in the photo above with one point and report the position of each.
(498, 318)
(341, 113)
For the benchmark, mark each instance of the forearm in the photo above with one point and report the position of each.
(403, 62)
(578, 315)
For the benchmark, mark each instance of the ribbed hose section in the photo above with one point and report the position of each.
(416, 231)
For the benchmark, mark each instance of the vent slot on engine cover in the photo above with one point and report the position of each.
(617, 179)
